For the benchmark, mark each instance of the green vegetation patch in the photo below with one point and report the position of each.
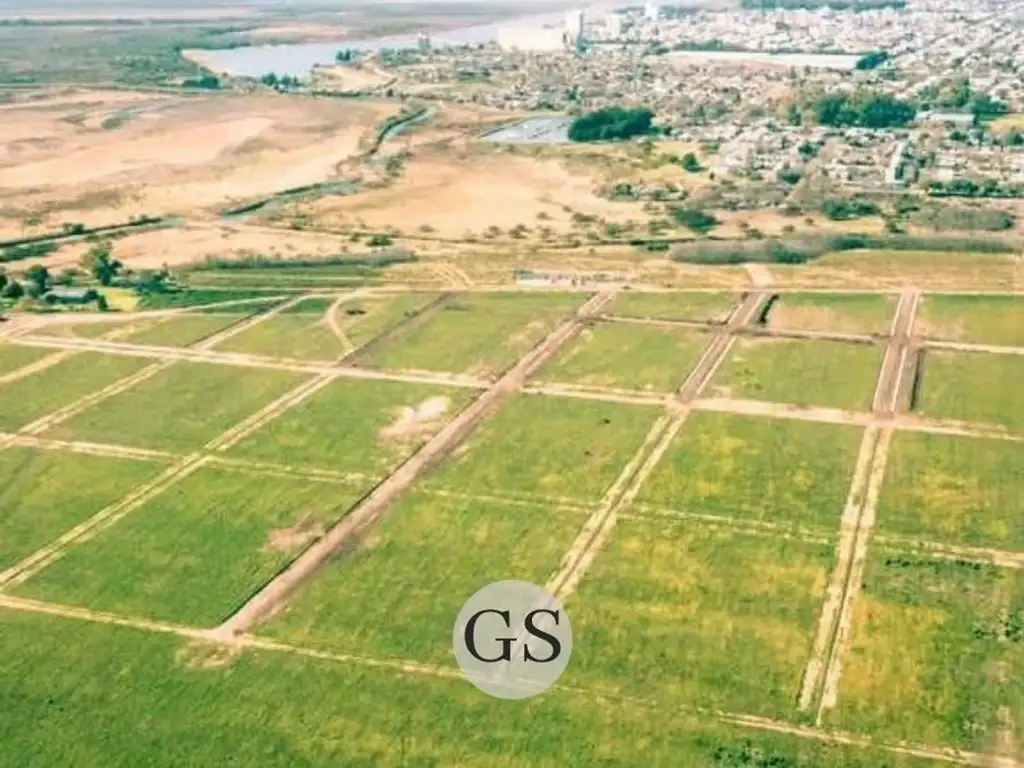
(686, 615)
(179, 330)
(641, 357)
(972, 387)
(397, 593)
(15, 356)
(549, 446)
(43, 494)
(97, 696)
(355, 425)
(801, 372)
(839, 312)
(476, 334)
(937, 654)
(954, 489)
(199, 297)
(980, 319)
(366, 317)
(196, 551)
(180, 408)
(26, 399)
(301, 336)
(705, 307)
(770, 470)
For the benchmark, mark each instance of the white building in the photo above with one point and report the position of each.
(531, 39)
(573, 27)
(651, 10)
(613, 26)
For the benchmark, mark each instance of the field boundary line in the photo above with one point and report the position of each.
(844, 623)
(386, 335)
(267, 599)
(970, 346)
(38, 366)
(849, 527)
(1003, 558)
(332, 322)
(76, 407)
(421, 669)
(111, 450)
(106, 517)
(237, 328)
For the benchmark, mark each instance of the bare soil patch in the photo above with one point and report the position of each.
(412, 422)
(297, 537)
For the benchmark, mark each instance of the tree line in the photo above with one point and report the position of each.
(612, 123)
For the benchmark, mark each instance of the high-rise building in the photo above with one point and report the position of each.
(573, 28)
(651, 10)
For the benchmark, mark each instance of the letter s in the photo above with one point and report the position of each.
(533, 629)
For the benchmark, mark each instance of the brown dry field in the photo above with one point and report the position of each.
(60, 161)
(453, 193)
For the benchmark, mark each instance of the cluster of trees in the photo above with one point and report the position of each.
(872, 60)
(865, 109)
(956, 93)
(971, 188)
(272, 80)
(612, 123)
(346, 55)
(209, 82)
(695, 220)
(845, 208)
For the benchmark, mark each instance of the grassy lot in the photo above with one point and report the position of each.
(954, 489)
(838, 312)
(43, 494)
(476, 334)
(180, 408)
(972, 387)
(15, 356)
(397, 594)
(708, 307)
(783, 472)
(196, 551)
(366, 317)
(200, 297)
(182, 330)
(686, 615)
(304, 336)
(980, 319)
(549, 446)
(801, 372)
(355, 425)
(936, 653)
(25, 400)
(100, 696)
(638, 357)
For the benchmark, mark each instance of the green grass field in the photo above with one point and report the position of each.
(837, 312)
(100, 696)
(302, 336)
(15, 356)
(29, 398)
(979, 319)
(43, 494)
(355, 425)
(476, 334)
(547, 446)
(686, 615)
(800, 372)
(181, 330)
(702, 307)
(649, 358)
(936, 653)
(397, 593)
(196, 551)
(775, 471)
(972, 387)
(366, 317)
(181, 407)
(956, 490)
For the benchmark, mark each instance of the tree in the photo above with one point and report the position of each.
(99, 263)
(611, 123)
(269, 79)
(38, 277)
(12, 290)
(690, 163)
(3, 280)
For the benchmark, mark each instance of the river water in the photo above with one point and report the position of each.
(299, 58)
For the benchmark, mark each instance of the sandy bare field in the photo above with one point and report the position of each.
(97, 157)
(452, 193)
